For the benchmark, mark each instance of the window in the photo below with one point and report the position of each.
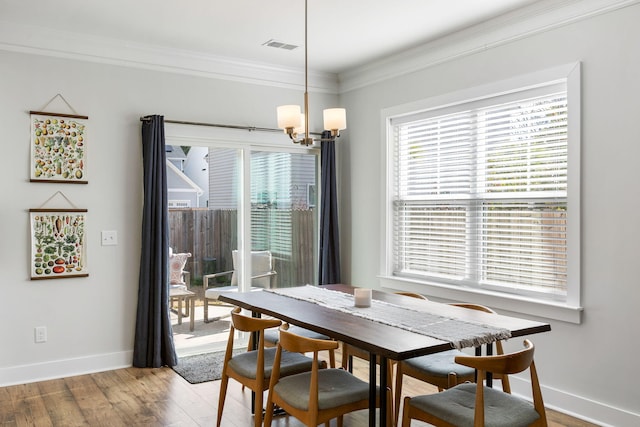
(479, 193)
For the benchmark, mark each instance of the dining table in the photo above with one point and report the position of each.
(384, 339)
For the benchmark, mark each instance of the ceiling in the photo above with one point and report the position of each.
(342, 34)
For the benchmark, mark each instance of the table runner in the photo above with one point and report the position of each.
(459, 333)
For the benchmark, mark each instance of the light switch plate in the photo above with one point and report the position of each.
(109, 238)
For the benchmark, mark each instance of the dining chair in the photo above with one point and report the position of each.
(470, 404)
(440, 369)
(317, 396)
(253, 368)
(272, 336)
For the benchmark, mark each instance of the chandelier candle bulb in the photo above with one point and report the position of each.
(362, 297)
(335, 119)
(289, 116)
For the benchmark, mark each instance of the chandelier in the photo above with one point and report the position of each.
(295, 123)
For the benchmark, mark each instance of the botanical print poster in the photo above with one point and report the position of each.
(58, 243)
(58, 148)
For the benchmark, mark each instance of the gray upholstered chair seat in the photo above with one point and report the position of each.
(291, 363)
(456, 406)
(440, 364)
(335, 387)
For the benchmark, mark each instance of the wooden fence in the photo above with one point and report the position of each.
(211, 235)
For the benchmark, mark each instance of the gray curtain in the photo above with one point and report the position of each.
(153, 346)
(329, 241)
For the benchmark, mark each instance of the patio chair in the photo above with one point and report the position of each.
(179, 280)
(262, 277)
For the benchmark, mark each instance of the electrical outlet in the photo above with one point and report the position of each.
(109, 238)
(41, 334)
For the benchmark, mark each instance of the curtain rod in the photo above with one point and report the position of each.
(247, 128)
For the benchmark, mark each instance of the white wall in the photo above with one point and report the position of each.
(90, 321)
(587, 368)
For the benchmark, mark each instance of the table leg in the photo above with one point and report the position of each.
(384, 365)
(489, 375)
(372, 390)
(180, 310)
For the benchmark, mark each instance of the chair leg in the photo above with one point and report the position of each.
(206, 310)
(397, 392)
(345, 357)
(452, 380)
(406, 421)
(257, 416)
(390, 416)
(223, 394)
(332, 359)
(268, 412)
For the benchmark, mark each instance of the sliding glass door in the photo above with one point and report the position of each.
(228, 203)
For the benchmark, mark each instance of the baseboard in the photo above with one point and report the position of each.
(578, 406)
(23, 374)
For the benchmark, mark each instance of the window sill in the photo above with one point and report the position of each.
(513, 303)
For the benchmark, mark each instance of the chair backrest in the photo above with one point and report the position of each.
(412, 295)
(505, 364)
(295, 343)
(506, 385)
(300, 344)
(261, 265)
(510, 363)
(244, 323)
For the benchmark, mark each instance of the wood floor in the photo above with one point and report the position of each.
(156, 397)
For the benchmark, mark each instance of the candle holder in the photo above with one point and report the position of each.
(362, 297)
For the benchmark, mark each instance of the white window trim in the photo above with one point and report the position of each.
(569, 310)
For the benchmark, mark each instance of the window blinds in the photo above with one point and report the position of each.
(480, 192)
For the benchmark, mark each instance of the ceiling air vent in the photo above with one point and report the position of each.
(279, 45)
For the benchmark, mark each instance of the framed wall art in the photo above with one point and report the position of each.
(58, 147)
(58, 243)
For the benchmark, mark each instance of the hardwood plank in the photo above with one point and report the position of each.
(28, 405)
(126, 406)
(91, 400)
(7, 411)
(61, 404)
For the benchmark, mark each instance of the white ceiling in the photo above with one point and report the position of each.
(343, 34)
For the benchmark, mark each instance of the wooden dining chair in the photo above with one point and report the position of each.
(253, 368)
(477, 405)
(272, 336)
(318, 396)
(441, 369)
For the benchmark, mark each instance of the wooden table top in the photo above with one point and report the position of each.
(384, 340)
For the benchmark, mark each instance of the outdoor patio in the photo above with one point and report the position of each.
(205, 337)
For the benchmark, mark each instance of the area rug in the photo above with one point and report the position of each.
(201, 368)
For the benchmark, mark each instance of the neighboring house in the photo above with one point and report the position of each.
(196, 167)
(182, 192)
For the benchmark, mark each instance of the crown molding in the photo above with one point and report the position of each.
(539, 17)
(63, 44)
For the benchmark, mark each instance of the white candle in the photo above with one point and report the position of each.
(362, 297)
